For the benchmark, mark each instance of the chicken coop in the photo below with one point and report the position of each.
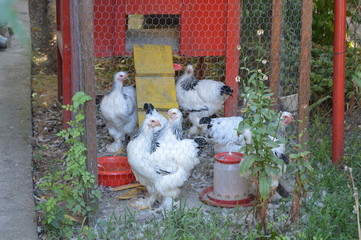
(221, 39)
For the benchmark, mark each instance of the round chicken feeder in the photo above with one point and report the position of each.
(229, 189)
(114, 171)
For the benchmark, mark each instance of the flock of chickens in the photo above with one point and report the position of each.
(160, 153)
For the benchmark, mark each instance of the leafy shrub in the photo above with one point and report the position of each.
(65, 189)
(322, 75)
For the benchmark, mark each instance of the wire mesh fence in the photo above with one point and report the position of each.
(219, 40)
(353, 75)
(322, 84)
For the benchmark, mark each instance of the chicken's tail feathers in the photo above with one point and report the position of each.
(205, 120)
(283, 157)
(226, 90)
(148, 108)
(282, 191)
(201, 141)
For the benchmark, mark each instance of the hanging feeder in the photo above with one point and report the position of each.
(229, 189)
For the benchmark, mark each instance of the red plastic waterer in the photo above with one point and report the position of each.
(229, 188)
(114, 171)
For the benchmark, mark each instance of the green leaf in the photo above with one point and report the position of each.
(80, 98)
(251, 79)
(268, 95)
(356, 77)
(317, 103)
(308, 166)
(271, 144)
(264, 185)
(268, 170)
(305, 153)
(246, 164)
(294, 156)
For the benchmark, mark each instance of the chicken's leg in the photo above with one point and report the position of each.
(168, 204)
(115, 146)
(144, 203)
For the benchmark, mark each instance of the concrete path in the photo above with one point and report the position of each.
(17, 216)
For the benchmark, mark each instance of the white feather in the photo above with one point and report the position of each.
(159, 160)
(119, 110)
(201, 98)
(223, 134)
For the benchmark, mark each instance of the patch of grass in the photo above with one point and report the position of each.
(195, 223)
(327, 212)
(328, 209)
(192, 224)
(179, 224)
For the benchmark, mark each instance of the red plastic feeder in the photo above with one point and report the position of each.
(229, 189)
(114, 171)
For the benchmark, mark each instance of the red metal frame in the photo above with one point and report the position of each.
(196, 38)
(339, 82)
(232, 55)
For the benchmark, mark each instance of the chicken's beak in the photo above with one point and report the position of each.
(157, 124)
(171, 116)
(288, 119)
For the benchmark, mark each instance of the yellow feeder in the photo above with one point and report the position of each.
(154, 78)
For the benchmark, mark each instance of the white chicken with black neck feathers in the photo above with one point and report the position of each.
(201, 98)
(119, 110)
(161, 160)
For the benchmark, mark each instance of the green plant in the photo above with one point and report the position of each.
(303, 167)
(322, 77)
(355, 194)
(327, 211)
(260, 122)
(65, 189)
(322, 22)
(183, 223)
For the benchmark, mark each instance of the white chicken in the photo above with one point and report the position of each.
(173, 130)
(222, 132)
(286, 119)
(160, 161)
(201, 98)
(119, 110)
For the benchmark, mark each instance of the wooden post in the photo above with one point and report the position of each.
(305, 69)
(275, 58)
(87, 81)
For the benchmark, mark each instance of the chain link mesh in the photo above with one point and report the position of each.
(197, 33)
(353, 74)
